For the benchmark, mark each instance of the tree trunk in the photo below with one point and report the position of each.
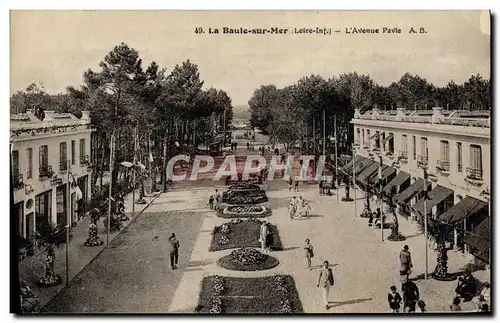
(164, 166)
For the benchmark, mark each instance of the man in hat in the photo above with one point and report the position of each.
(405, 260)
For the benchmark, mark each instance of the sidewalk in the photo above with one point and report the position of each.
(32, 268)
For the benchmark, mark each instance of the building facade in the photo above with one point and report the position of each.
(449, 151)
(50, 167)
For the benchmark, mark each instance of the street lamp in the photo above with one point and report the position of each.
(381, 201)
(424, 167)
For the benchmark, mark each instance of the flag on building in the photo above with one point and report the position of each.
(78, 191)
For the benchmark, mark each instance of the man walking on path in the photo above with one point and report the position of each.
(410, 295)
(174, 251)
(405, 260)
(325, 281)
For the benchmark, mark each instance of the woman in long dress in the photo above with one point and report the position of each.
(291, 208)
(299, 207)
(263, 235)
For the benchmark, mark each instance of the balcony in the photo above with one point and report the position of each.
(45, 172)
(474, 174)
(18, 181)
(422, 160)
(63, 166)
(84, 160)
(403, 155)
(443, 167)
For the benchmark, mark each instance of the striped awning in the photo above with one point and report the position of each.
(376, 135)
(362, 165)
(387, 171)
(480, 239)
(436, 196)
(467, 207)
(368, 172)
(397, 181)
(389, 137)
(407, 194)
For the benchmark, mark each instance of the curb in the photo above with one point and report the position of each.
(99, 252)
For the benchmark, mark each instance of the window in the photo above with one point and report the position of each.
(63, 156)
(82, 151)
(15, 162)
(44, 156)
(30, 163)
(404, 146)
(414, 139)
(459, 157)
(73, 152)
(358, 134)
(368, 138)
(476, 162)
(424, 151)
(377, 140)
(444, 156)
(363, 137)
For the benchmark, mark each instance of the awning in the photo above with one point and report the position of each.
(362, 165)
(367, 172)
(480, 240)
(375, 136)
(397, 181)
(407, 194)
(468, 206)
(386, 172)
(389, 137)
(436, 196)
(347, 168)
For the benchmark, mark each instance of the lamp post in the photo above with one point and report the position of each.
(424, 167)
(354, 179)
(68, 221)
(380, 197)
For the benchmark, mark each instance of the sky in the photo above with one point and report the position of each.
(56, 47)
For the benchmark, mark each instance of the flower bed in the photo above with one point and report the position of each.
(239, 234)
(264, 295)
(244, 211)
(247, 259)
(244, 197)
(244, 186)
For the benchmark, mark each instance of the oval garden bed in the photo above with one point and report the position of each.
(242, 233)
(247, 259)
(244, 197)
(245, 187)
(244, 211)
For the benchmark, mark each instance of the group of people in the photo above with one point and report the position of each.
(234, 145)
(299, 208)
(214, 200)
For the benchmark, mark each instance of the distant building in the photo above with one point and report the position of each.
(45, 155)
(454, 147)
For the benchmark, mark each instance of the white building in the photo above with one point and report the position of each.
(45, 153)
(454, 148)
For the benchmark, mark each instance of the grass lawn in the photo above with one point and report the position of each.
(243, 234)
(250, 295)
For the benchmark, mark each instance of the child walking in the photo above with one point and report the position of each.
(394, 300)
(211, 202)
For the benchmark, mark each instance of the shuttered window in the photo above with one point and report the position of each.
(444, 151)
(476, 160)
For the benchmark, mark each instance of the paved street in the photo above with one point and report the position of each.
(134, 275)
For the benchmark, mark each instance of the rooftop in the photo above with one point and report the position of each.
(29, 123)
(438, 115)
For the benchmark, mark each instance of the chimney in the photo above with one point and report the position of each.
(438, 116)
(375, 113)
(85, 115)
(401, 114)
(49, 115)
(357, 113)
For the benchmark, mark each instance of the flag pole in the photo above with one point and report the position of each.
(336, 156)
(425, 225)
(354, 178)
(68, 221)
(133, 170)
(111, 166)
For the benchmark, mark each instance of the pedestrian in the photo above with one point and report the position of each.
(263, 235)
(269, 238)
(296, 185)
(394, 300)
(211, 202)
(455, 305)
(405, 261)
(290, 182)
(174, 251)
(291, 208)
(325, 281)
(308, 248)
(410, 295)
(422, 306)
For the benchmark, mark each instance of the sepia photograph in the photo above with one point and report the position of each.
(250, 162)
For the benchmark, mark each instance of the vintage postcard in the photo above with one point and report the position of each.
(243, 162)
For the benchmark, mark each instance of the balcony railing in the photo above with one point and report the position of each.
(45, 172)
(466, 122)
(443, 165)
(474, 173)
(403, 154)
(63, 166)
(423, 160)
(84, 160)
(18, 181)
